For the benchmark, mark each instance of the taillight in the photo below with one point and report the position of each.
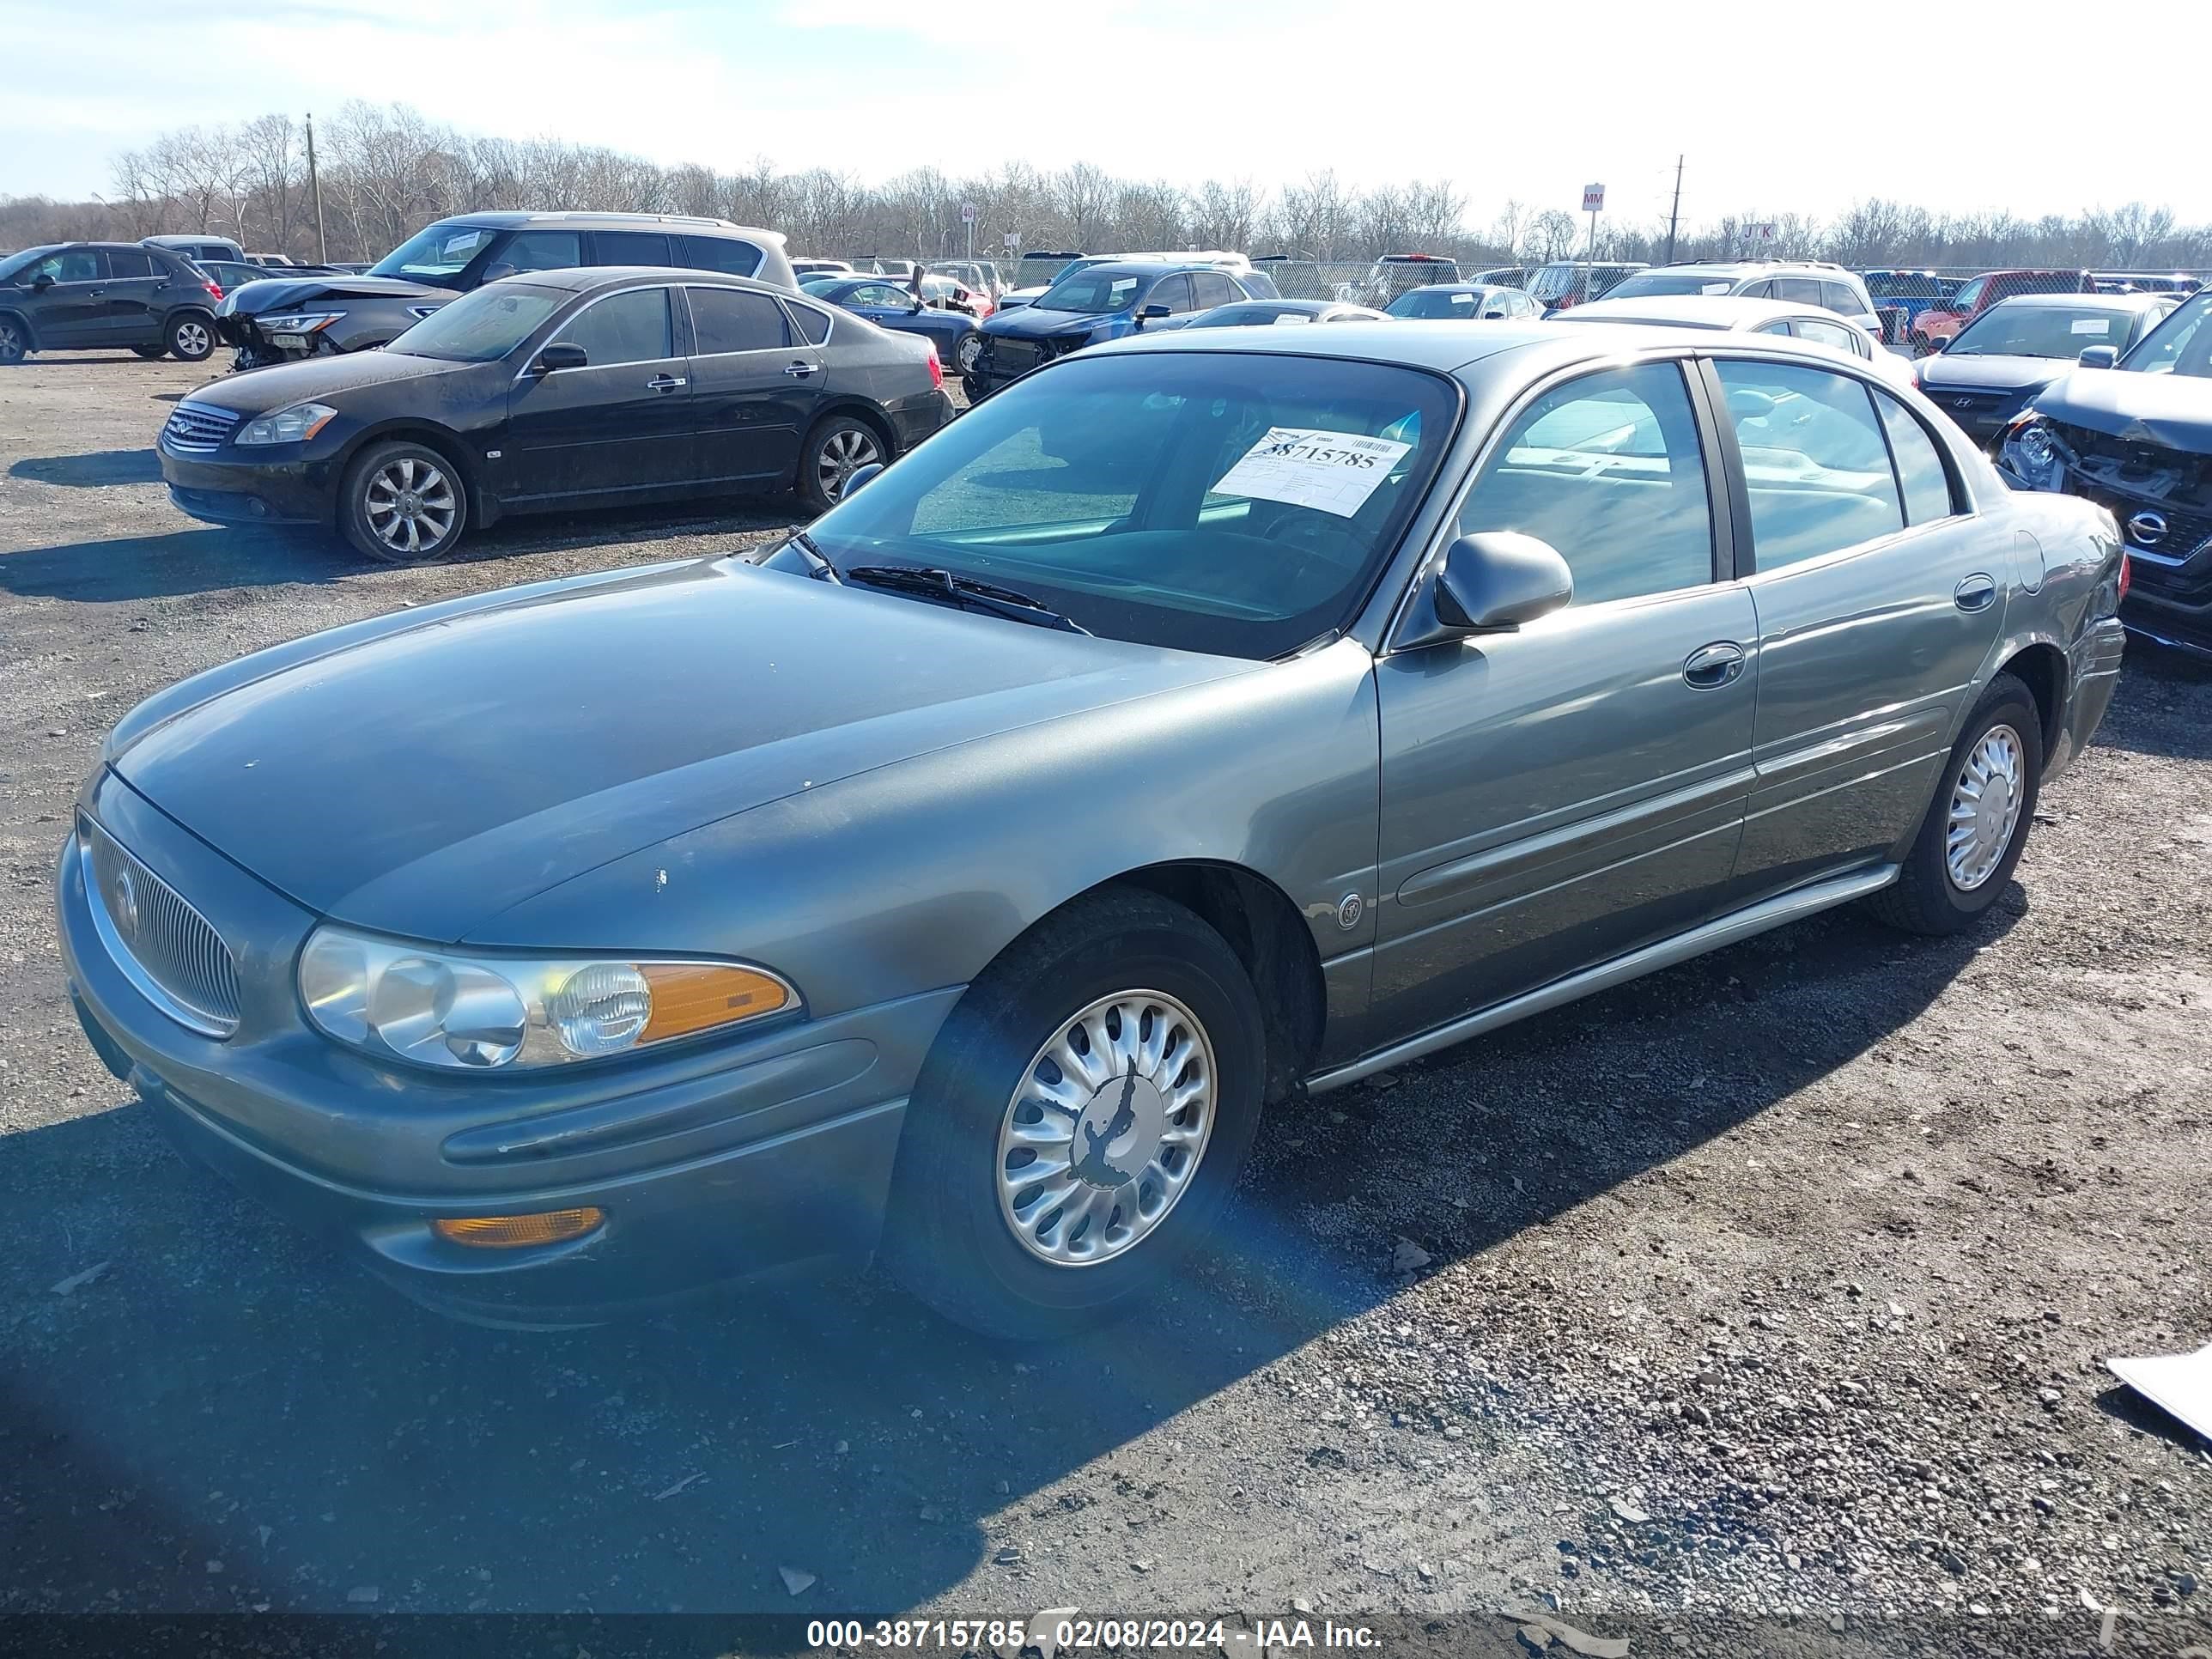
(936, 370)
(214, 290)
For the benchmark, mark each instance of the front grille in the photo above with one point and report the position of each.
(197, 427)
(169, 949)
(1007, 358)
(1973, 405)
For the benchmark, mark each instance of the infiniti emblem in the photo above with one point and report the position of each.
(2146, 529)
(126, 904)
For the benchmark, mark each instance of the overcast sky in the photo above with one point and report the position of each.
(1778, 108)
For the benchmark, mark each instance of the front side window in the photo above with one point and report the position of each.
(2182, 344)
(543, 250)
(877, 293)
(482, 326)
(623, 328)
(1814, 461)
(1970, 295)
(729, 320)
(1830, 334)
(1174, 293)
(74, 264)
(1238, 502)
(1919, 465)
(630, 247)
(721, 253)
(436, 254)
(1797, 291)
(1608, 470)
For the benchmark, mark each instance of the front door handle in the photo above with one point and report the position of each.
(1712, 666)
(799, 371)
(1976, 592)
(664, 382)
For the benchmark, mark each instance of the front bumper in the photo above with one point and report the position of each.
(714, 1164)
(226, 488)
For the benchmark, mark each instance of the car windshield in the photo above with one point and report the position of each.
(2182, 344)
(1093, 293)
(1435, 302)
(1235, 502)
(823, 284)
(1646, 283)
(2006, 330)
(481, 326)
(15, 262)
(440, 251)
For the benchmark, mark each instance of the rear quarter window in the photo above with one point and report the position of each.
(725, 254)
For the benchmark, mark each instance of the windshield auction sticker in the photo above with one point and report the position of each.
(1305, 466)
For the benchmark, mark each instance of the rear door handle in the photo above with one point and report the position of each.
(664, 382)
(1712, 666)
(799, 371)
(1976, 592)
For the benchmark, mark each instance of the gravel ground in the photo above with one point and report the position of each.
(1767, 1295)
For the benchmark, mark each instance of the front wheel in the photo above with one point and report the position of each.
(965, 353)
(1977, 823)
(403, 503)
(835, 451)
(190, 338)
(1080, 1122)
(14, 341)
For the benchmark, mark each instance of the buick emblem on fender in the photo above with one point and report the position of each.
(2146, 529)
(126, 904)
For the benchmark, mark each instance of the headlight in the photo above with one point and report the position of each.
(466, 1013)
(288, 426)
(2029, 454)
(297, 322)
(2033, 445)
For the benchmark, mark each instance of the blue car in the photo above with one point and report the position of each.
(1099, 302)
(891, 305)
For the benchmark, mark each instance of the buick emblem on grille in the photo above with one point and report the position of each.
(126, 904)
(2146, 529)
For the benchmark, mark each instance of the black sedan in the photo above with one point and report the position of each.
(1266, 314)
(568, 388)
(890, 303)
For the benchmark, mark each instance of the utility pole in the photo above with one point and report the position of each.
(1674, 214)
(315, 190)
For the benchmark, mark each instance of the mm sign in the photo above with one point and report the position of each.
(1593, 198)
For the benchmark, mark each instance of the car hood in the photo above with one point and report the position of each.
(1944, 371)
(424, 779)
(279, 294)
(2173, 410)
(281, 385)
(1028, 323)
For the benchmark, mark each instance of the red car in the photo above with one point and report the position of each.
(1940, 323)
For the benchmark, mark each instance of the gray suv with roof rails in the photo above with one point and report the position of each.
(286, 318)
(1800, 282)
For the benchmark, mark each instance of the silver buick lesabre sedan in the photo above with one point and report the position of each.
(1199, 718)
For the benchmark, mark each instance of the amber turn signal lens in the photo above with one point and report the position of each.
(513, 1232)
(697, 996)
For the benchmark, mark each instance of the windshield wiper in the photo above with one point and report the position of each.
(998, 601)
(817, 561)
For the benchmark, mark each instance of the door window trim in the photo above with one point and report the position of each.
(679, 323)
(799, 341)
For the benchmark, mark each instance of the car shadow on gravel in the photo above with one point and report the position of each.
(225, 1391)
(182, 562)
(92, 471)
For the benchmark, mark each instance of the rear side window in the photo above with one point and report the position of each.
(543, 250)
(1919, 467)
(721, 253)
(623, 328)
(124, 262)
(1815, 460)
(630, 247)
(813, 325)
(1608, 470)
(1213, 289)
(1839, 298)
(1830, 334)
(729, 320)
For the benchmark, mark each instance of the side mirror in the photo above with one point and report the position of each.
(1492, 581)
(862, 475)
(561, 354)
(2103, 356)
(42, 282)
(1154, 313)
(493, 272)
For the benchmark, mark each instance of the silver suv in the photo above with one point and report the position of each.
(1803, 282)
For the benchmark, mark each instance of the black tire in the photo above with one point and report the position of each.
(1926, 898)
(976, 389)
(372, 503)
(833, 451)
(14, 341)
(945, 1236)
(150, 353)
(190, 336)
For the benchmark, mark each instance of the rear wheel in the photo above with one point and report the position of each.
(834, 451)
(404, 503)
(14, 340)
(1977, 823)
(1081, 1120)
(191, 337)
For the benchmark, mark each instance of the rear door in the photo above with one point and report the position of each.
(756, 386)
(1563, 793)
(621, 423)
(1878, 601)
(135, 282)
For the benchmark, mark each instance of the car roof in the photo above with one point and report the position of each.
(1460, 288)
(504, 220)
(1144, 267)
(1727, 311)
(589, 279)
(2081, 301)
(1749, 267)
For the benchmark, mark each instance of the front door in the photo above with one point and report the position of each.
(71, 310)
(755, 386)
(1879, 599)
(621, 423)
(1560, 794)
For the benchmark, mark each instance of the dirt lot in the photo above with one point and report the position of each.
(1774, 1287)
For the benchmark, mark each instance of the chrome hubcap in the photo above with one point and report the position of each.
(970, 350)
(843, 454)
(1985, 801)
(1107, 1129)
(192, 338)
(411, 506)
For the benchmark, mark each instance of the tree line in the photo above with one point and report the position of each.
(385, 171)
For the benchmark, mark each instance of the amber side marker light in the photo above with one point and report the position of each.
(690, 997)
(511, 1232)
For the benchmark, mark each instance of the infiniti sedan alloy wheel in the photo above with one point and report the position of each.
(404, 502)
